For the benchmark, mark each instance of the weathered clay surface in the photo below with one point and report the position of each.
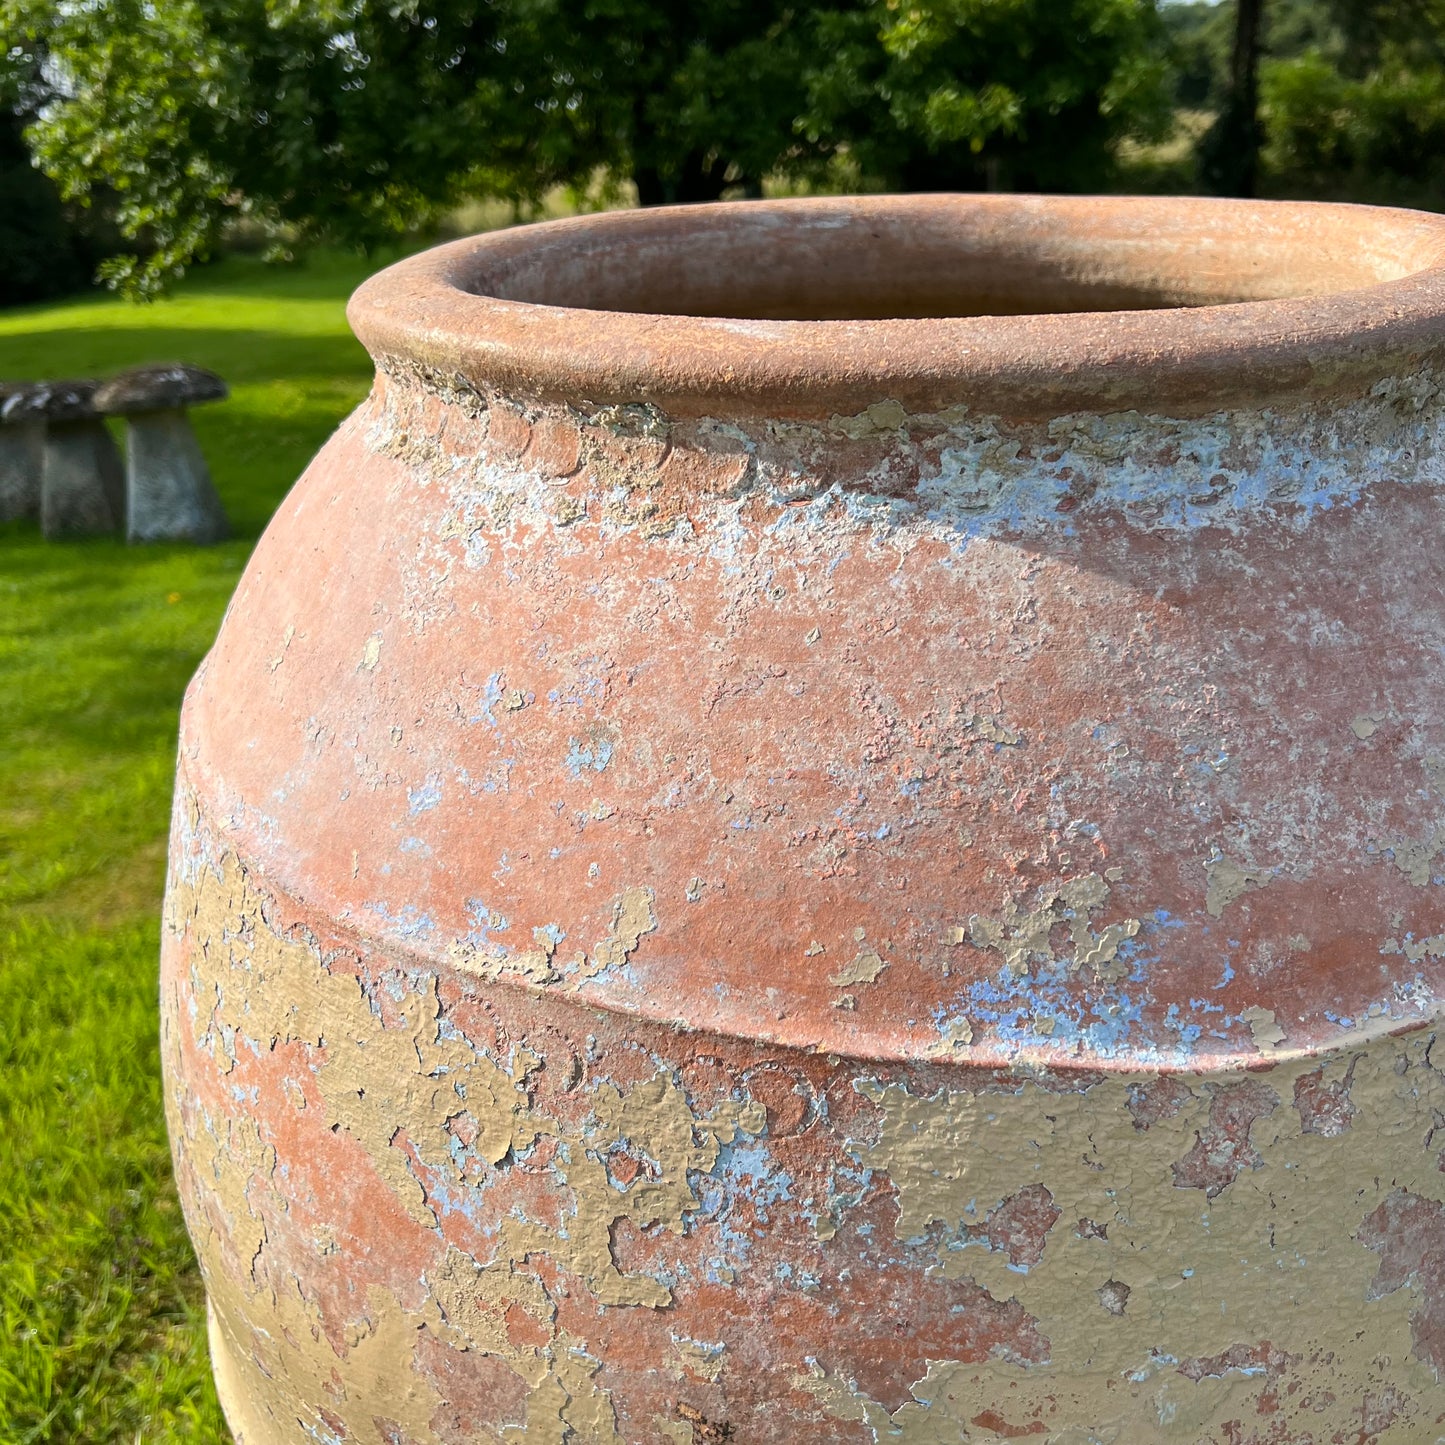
(908, 922)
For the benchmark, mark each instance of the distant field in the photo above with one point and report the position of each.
(102, 1333)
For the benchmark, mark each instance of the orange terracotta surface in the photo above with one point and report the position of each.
(875, 877)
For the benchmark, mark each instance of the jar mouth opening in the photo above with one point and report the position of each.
(928, 258)
(1023, 303)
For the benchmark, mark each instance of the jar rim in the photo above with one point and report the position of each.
(1180, 306)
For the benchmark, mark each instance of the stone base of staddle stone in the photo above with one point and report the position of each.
(82, 488)
(21, 456)
(169, 491)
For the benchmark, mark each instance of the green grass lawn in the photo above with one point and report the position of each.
(101, 1319)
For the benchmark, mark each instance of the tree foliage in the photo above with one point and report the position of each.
(689, 99)
(1358, 110)
(195, 112)
(40, 253)
(987, 94)
(1352, 93)
(1379, 137)
(358, 120)
(1200, 36)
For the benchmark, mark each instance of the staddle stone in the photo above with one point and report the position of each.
(169, 494)
(22, 442)
(82, 488)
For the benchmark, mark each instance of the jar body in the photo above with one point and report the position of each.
(836, 928)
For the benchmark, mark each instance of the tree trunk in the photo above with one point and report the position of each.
(694, 180)
(650, 189)
(1244, 89)
(1229, 154)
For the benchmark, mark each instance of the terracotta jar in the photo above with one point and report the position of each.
(824, 822)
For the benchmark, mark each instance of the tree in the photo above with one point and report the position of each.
(695, 98)
(195, 112)
(358, 120)
(1198, 49)
(987, 95)
(1408, 33)
(1229, 153)
(40, 254)
(1358, 110)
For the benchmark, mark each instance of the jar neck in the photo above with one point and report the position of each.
(952, 471)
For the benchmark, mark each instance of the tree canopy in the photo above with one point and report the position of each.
(43, 251)
(1352, 94)
(979, 94)
(359, 120)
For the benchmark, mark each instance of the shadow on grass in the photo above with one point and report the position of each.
(244, 353)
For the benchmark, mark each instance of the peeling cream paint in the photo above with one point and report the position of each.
(882, 416)
(993, 731)
(1416, 949)
(632, 918)
(865, 968)
(956, 1035)
(1263, 1029)
(1228, 882)
(1201, 1281)
(1021, 936)
(700, 1358)
(1414, 856)
(286, 639)
(378, 1082)
(1152, 1267)
(1434, 766)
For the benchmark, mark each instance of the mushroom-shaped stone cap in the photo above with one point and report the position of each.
(161, 387)
(20, 401)
(62, 401)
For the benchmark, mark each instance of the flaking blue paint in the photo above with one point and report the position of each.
(583, 754)
(491, 695)
(424, 798)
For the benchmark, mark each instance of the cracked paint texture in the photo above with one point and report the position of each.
(1089, 782)
(444, 1220)
(837, 928)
